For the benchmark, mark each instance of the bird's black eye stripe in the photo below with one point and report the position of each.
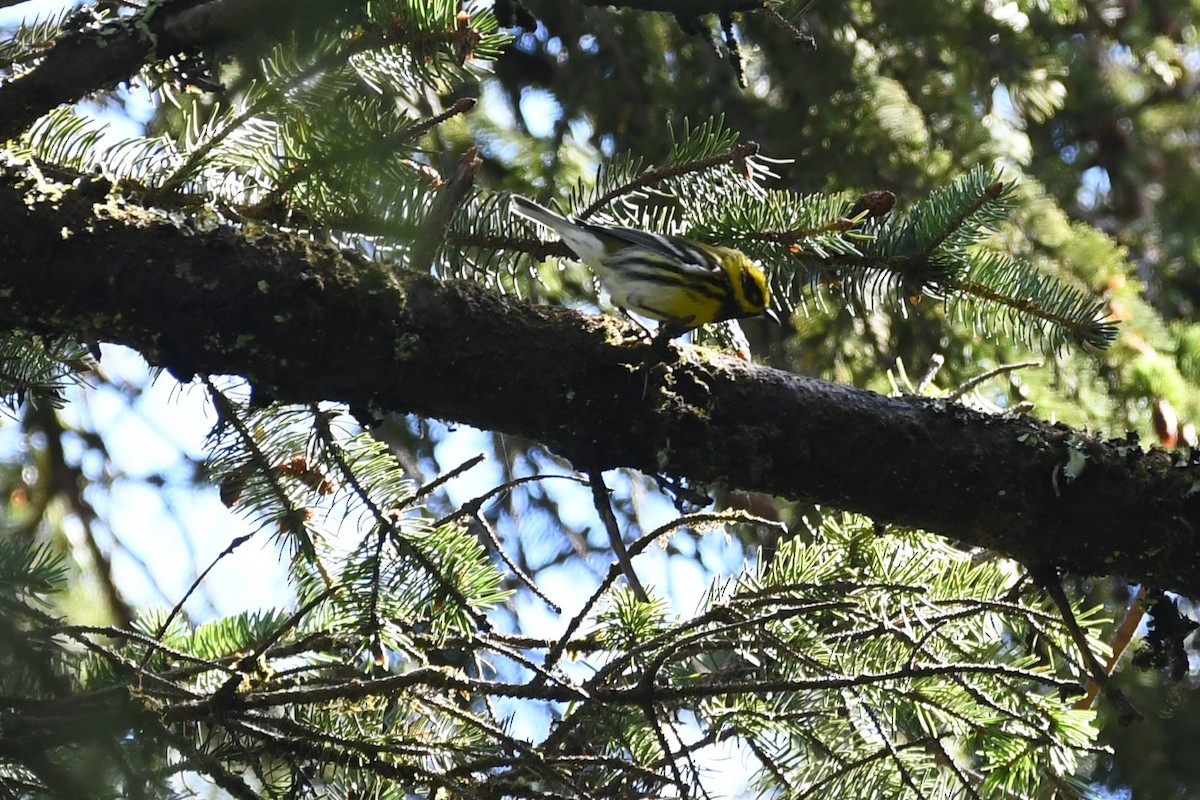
(751, 289)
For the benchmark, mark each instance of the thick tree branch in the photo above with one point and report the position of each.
(305, 323)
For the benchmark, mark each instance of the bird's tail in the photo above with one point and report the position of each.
(524, 207)
(580, 237)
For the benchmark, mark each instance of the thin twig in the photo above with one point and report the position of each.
(968, 385)
(519, 573)
(652, 177)
(206, 764)
(473, 506)
(429, 488)
(735, 52)
(801, 38)
(166, 623)
(442, 210)
(614, 571)
(893, 753)
(1122, 638)
(1049, 580)
(665, 746)
(604, 509)
(936, 362)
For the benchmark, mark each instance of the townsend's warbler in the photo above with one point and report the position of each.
(683, 283)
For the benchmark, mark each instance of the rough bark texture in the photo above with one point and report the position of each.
(306, 323)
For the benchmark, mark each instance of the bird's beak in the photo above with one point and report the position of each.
(773, 315)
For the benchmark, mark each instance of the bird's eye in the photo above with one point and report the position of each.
(751, 288)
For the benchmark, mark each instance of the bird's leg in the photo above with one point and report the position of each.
(649, 333)
(669, 330)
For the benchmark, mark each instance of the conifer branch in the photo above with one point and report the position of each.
(268, 100)
(992, 192)
(801, 38)
(388, 527)
(1076, 319)
(538, 249)
(101, 55)
(293, 519)
(440, 680)
(657, 175)
(793, 238)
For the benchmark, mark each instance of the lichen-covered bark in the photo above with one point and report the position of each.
(305, 323)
